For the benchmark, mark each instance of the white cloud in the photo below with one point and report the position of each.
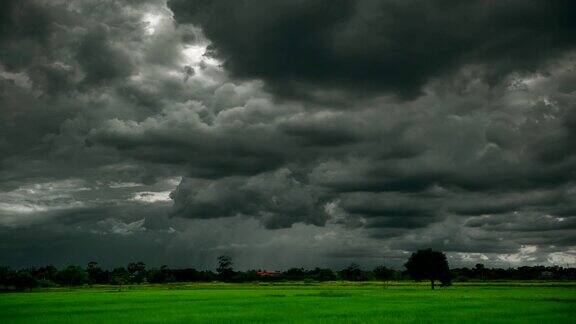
(116, 226)
(152, 20)
(29, 203)
(567, 258)
(526, 253)
(152, 196)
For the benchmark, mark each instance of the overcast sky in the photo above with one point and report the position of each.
(287, 133)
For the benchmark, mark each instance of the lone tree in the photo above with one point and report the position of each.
(225, 270)
(429, 265)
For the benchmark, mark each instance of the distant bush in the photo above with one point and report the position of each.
(44, 283)
(72, 276)
(162, 275)
(353, 273)
(23, 279)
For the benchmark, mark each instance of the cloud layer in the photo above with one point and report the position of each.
(335, 131)
(312, 47)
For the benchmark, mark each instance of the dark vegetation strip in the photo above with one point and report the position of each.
(424, 265)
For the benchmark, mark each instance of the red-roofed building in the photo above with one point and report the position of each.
(264, 273)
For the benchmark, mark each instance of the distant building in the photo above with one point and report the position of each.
(264, 273)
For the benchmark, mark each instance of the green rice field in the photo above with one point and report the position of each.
(337, 302)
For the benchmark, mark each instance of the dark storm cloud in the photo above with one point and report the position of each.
(109, 64)
(388, 205)
(484, 204)
(120, 131)
(212, 145)
(25, 28)
(311, 133)
(397, 222)
(522, 223)
(277, 199)
(306, 47)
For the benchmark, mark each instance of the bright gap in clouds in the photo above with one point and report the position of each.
(193, 54)
(151, 20)
(196, 64)
(152, 197)
(196, 54)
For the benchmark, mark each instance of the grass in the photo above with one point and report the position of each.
(295, 303)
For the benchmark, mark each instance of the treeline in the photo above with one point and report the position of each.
(480, 272)
(138, 273)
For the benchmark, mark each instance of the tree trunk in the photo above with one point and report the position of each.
(432, 283)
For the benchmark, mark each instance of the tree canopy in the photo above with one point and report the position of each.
(225, 270)
(429, 265)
